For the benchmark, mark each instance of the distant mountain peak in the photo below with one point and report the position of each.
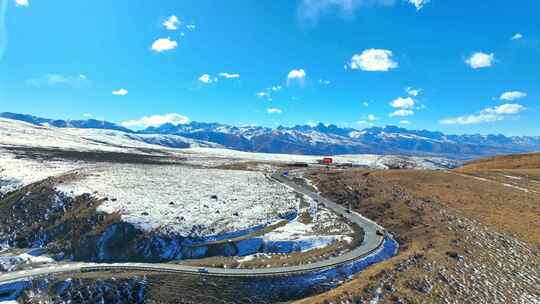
(321, 139)
(82, 124)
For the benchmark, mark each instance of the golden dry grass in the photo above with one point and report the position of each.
(506, 209)
(515, 161)
(387, 197)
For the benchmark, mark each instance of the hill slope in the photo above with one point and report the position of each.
(517, 161)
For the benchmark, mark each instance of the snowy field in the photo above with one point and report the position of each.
(17, 172)
(189, 201)
(186, 201)
(226, 156)
(17, 133)
(22, 134)
(324, 229)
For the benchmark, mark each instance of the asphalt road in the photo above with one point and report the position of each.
(372, 241)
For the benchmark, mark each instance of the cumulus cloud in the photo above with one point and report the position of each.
(372, 117)
(274, 111)
(413, 92)
(365, 103)
(229, 75)
(517, 36)
(171, 23)
(373, 60)
(402, 113)
(296, 76)
(120, 92)
(157, 120)
(480, 60)
(22, 3)
(312, 10)
(403, 103)
(491, 114)
(419, 4)
(53, 80)
(513, 95)
(207, 79)
(276, 88)
(163, 45)
(404, 122)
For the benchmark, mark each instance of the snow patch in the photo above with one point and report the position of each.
(186, 201)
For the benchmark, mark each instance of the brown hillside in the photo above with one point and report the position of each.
(514, 161)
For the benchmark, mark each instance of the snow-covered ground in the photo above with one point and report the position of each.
(183, 200)
(18, 133)
(18, 172)
(227, 156)
(172, 198)
(319, 228)
(10, 262)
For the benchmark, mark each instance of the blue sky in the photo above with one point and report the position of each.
(454, 66)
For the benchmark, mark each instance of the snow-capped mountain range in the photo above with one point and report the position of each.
(312, 140)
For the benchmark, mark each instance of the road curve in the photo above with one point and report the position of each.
(372, 242)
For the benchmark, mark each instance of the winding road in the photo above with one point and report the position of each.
(372, 242)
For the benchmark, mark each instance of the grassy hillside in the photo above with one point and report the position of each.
(453, 228)
(514, 161)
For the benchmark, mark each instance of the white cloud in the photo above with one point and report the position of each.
(157, 120)
(58, 79)
(413, 92)
(372, 117)
(373, 60)
(267, 93)
(207, 79)
(471, 119)
(312, 10)
(366, 104)
(404, 122)
(274, 111)
(514, 95)
(324, 82)
(296, 75)
(403, 103)
(480, 60)
(164, 44)
(492, 114)
(419, 4)
(517, 36)
(171, 23)
(190, 27)
(402, 113)
(229, 76)
(120, 92)
(263, 95)
(87, 115)
(506, 109)
(22, 3)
